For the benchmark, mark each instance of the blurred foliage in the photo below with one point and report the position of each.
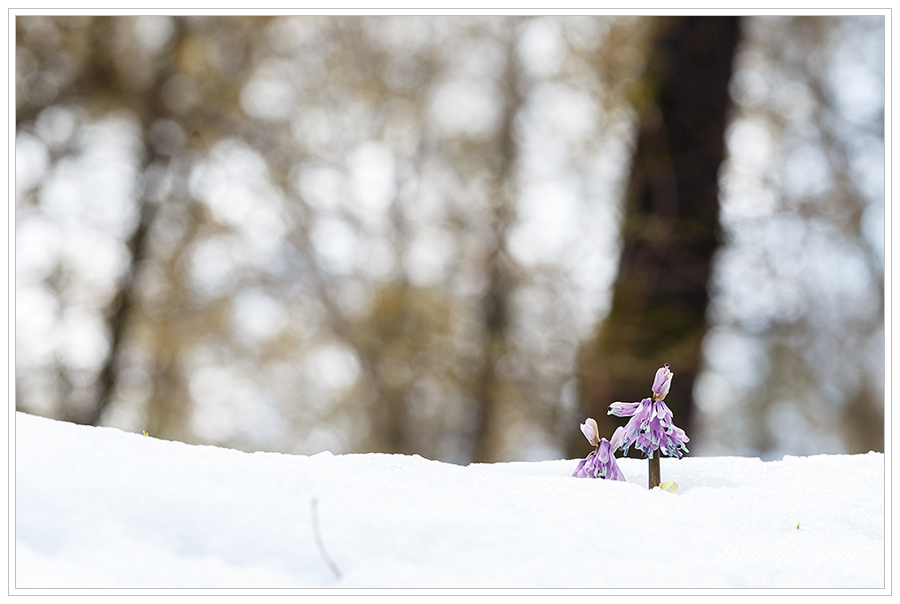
(395, 233)
(797, 344)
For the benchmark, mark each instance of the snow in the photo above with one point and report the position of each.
(101, 508)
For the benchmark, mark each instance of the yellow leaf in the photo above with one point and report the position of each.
(669, 485)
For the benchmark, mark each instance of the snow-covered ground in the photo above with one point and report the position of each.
(101, 508)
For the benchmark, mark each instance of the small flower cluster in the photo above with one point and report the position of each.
(649, 429)
(600, 463)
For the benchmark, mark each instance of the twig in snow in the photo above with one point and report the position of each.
(315, 522)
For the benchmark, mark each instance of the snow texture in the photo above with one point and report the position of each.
(100, 508)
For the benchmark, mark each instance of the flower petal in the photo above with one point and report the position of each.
(623, 409)
(603, 451)
(590, 431)
(582, 470)
(662, 382)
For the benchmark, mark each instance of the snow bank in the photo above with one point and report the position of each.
(100, 508)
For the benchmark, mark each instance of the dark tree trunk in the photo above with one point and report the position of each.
(671, 224)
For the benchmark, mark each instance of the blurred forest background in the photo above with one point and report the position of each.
(451, 236)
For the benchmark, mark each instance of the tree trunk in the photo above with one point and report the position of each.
(121, 307)
(103, 77)
(671, 224)
(488, 385)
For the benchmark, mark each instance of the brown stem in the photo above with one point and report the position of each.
(654, 470)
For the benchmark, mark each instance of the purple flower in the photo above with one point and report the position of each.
(650, 427)
(661, 382)
(600, 463)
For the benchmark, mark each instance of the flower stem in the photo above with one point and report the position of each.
(654, 470)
